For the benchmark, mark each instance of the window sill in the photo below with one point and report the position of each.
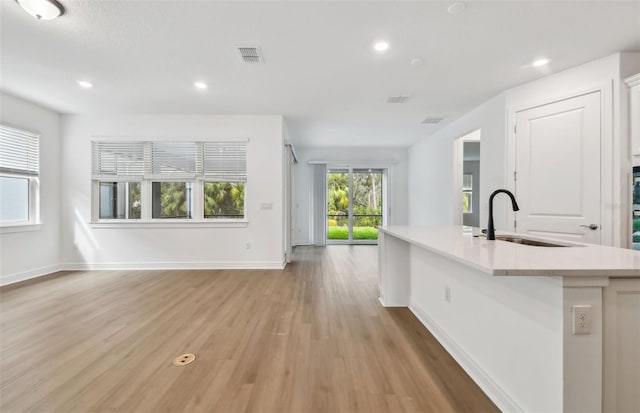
(8, 228)
(171, 224)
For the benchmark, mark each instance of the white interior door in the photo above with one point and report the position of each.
(558, 169)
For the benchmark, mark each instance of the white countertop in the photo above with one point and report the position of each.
(507, 258)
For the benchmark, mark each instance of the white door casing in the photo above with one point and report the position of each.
(558, 169)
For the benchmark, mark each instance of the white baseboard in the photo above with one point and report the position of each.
(27, 275)
(83, 266)
(175, 265)
(482, 379)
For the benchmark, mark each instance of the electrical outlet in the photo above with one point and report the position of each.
(447, 293)
(248, 246)
(582, 319)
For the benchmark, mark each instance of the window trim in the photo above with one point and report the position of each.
(168, 223)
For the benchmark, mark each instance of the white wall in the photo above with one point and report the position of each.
(397, 157)
(32, 253)
(431, 166)
(92, 246)
(430, 159)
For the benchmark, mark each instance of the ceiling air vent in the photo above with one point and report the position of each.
(251, 55)
(432, 120)
(397, 99)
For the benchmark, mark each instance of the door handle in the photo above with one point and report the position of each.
(592, 227)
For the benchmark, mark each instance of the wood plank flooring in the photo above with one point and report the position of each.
(311, 338)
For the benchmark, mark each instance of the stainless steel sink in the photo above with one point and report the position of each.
(526, 241)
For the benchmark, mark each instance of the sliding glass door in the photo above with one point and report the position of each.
(355, 198)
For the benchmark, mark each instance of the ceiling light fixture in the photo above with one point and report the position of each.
(84, 84)
(42, 9)
(381, 46)
(200, 85)
(456, 8)
(540, 62)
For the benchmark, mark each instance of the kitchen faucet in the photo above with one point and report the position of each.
(491, 231)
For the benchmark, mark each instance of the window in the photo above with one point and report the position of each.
(184, 181)
(19, 171)
(224, 200)
(118, 169)
(174, 169)
(225, 166)
(120, 200)
(467, 193)
(171, 200)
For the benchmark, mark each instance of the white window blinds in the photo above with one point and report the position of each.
(19, 152)
(117, 160)
(174, 159)
(213, 161)
(225, 161)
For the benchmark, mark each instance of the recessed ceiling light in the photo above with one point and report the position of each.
(84, 84)
(200, 85)
(456, 8)
(42, 9)
(380, 46)
(540, 62)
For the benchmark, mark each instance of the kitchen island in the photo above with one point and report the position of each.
(505, 311)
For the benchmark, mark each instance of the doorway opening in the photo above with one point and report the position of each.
(356, 204)
(467, 180)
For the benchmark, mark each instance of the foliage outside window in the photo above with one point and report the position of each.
(224, 200)
(19, 172)
(338, 199)
(467, 193)
(144, 181)
(171, 200)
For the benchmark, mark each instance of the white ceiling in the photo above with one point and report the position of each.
(320, 71)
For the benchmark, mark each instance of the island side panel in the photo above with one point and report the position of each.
(583, 356)
(621, 303)
(506, 332)
(394, 271)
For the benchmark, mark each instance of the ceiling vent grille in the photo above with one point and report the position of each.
(397, 99)
(251, 55)
(432, 120)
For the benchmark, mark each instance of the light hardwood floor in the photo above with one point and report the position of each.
(311, 338)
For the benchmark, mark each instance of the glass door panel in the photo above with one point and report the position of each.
(338, 205)
(366, 204)
(354, 205)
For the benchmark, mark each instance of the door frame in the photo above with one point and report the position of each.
(387, 196)
(611, 220)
